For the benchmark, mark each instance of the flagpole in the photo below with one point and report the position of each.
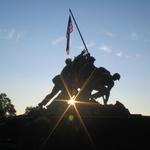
(78, 30)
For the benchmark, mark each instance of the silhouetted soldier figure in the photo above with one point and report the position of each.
(57, 87)
(73, 79)
(78, 63)
(88, 67)
(85, 76)
(80, 58)
(103, 85)
(59, 80)
(67, 70)
(67, 74)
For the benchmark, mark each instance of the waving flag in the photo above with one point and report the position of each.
(69, 30)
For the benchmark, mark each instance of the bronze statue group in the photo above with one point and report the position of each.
(81, 77)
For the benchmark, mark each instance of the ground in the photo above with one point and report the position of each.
(90, 127)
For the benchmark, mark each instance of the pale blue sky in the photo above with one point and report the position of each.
(33, 42)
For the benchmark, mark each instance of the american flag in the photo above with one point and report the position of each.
(69, 30)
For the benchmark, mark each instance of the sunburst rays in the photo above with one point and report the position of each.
(84, 127)
(52, 131)
(76, 110)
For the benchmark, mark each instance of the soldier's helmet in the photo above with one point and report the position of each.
(68, 61)
(83, 52)
(116, 76)
(91, 59)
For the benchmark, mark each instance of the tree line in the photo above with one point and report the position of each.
(7, 109)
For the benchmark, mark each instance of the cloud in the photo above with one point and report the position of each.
(80, 47)
(58, 40)
(105, 48)
(128, 56)
(109, 34)
(119, 54)
(7, 34)
(89, 45)
(11, 34)
(20, 35)
(134, 36)
(137, 55)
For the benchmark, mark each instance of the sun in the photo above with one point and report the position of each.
(71, 101)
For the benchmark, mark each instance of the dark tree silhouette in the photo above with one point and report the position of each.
(30, 110)
(35, 111)
(6, 107)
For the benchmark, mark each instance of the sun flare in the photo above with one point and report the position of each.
(71, 101)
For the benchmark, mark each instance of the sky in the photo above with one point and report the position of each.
(33, 43)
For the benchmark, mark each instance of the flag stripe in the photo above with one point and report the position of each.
(69, 30)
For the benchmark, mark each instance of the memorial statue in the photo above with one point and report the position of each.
(81, 73)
